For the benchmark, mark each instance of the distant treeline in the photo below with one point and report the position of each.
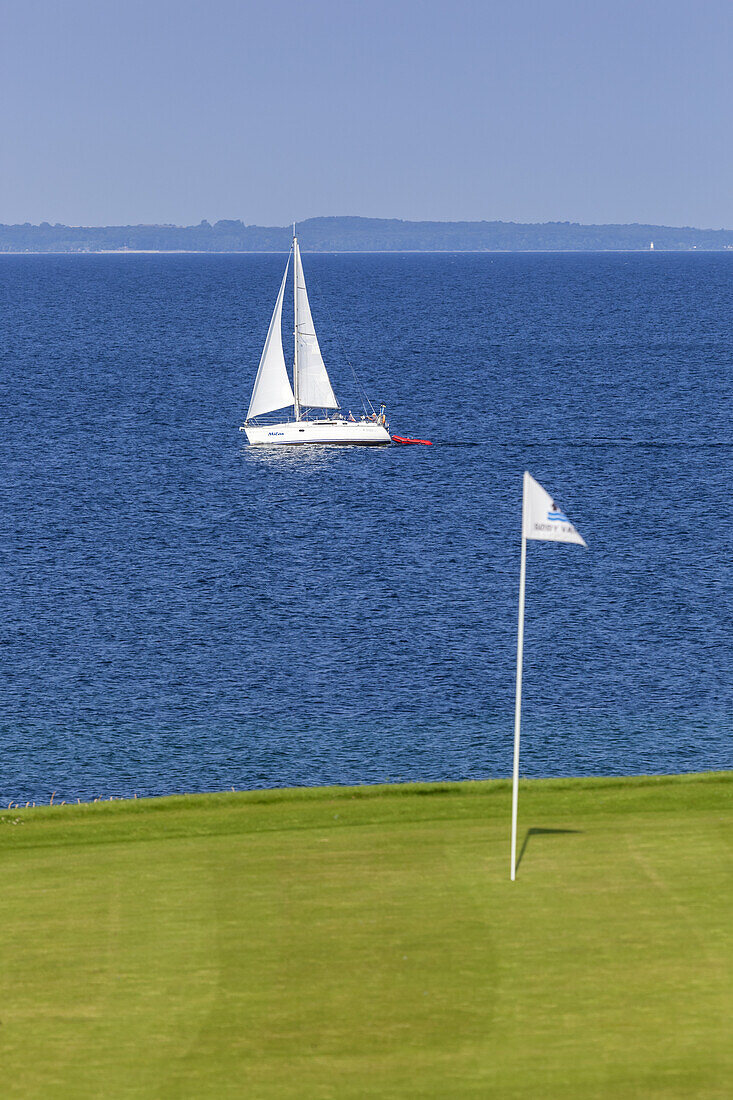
(358, 235)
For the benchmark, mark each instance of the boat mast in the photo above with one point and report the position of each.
(295, 329)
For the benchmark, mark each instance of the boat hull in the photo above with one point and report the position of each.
(359, 433)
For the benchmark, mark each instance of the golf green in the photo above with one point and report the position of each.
(368, 942)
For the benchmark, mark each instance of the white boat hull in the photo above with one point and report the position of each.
(364, 433)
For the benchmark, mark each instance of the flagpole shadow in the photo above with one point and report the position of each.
(541, 832)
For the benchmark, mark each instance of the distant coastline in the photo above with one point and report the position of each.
(352, 234)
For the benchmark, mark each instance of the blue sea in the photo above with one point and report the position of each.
(180, 612)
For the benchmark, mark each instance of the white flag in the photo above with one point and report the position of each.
(541, 517)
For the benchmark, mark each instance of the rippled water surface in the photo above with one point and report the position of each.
(180, 612)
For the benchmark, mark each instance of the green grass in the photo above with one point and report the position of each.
(367, 942)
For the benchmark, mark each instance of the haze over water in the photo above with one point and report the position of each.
(180, 612)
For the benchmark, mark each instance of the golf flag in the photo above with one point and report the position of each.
(542, 519)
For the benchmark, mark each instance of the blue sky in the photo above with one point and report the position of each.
(522, 110)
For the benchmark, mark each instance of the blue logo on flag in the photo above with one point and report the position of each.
(557, 515)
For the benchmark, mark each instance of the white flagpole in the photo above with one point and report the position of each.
(518, 696)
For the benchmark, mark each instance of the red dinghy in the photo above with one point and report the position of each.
(404, 439)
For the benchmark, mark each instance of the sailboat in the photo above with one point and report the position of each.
(317, 415)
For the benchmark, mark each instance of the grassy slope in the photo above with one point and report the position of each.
(354, 943)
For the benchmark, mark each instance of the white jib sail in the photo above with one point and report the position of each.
(272, 389)
(314, 386)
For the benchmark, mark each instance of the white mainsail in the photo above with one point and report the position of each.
(313, 386)
(272, 389)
